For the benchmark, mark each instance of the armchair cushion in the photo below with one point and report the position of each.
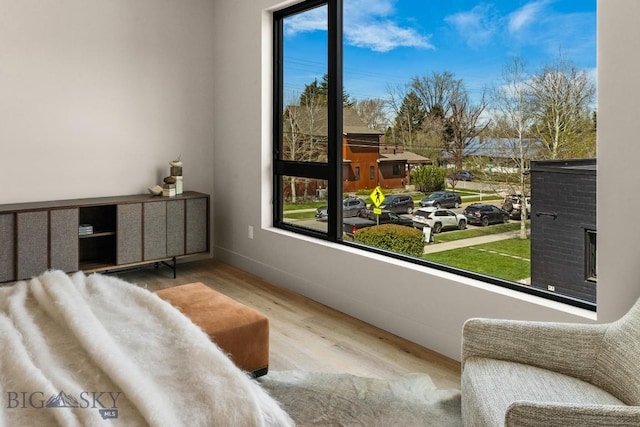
(494, 387)
(541, 344)
(530, 414)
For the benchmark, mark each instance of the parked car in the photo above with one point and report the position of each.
(366, 218)
(442, 199)
(350, 207)
(438, 219)
(398, 203)
(513, 204)
(462, 176)
(485, 214)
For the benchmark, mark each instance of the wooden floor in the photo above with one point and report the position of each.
(306, 335)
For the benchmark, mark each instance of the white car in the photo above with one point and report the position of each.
(438, 219)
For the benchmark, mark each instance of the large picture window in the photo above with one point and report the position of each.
(447, 105)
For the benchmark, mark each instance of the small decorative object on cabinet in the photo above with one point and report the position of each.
(101, 234)
(176, 172)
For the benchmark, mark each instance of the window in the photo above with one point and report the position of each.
(307, 133)
(590, 257)
(419, 95)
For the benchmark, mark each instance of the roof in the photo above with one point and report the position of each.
(353, 124)
(499, 147)
(405, 156)
(316, 118)
(584, 166)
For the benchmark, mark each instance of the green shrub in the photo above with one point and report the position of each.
(393, 237)
(429, 178)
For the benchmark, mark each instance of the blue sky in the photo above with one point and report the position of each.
(387, 42)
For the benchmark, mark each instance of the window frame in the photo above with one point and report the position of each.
(331, 171)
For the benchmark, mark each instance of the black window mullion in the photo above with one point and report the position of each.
(334, 98)
(278, 96)
(302, 169)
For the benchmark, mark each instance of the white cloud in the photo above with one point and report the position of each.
(526, 15)
(312, 20)
(368, 24)
(384, 36)
(476, 26)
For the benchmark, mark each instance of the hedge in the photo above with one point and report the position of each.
(393, 237)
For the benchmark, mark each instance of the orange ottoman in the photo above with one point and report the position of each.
(240, 331)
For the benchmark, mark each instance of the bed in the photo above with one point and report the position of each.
(94, 350)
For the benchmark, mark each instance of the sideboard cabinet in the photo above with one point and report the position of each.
(117, 232)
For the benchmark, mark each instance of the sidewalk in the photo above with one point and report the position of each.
(456, 244)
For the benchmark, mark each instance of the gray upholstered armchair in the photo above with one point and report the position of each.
(518, 373)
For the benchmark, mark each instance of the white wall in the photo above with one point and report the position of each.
(97, 96)
(426, 306)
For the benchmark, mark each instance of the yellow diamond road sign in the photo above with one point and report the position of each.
(377, 197)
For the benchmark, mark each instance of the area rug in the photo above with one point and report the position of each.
(322, 399)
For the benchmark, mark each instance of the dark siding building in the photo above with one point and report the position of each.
(563, 227)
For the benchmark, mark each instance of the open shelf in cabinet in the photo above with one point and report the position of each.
(98, 249)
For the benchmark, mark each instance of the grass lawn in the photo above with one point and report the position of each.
(506, 259)
(450, 236)
(308, 205)
(300, 215)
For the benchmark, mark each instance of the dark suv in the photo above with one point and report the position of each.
(398, 203)
(350, 207)
(485, 214)
(442, 199)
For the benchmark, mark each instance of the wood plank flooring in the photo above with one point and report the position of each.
(306, 335)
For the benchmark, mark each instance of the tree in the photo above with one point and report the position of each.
(408, 122)
(371, 111)
(304, 138)
(562, 96)
(513, 117)
(451, 119)
(464, 125)
(313, 94)
(319, 91)
(408, 116)
(437, 91)
(428, 178)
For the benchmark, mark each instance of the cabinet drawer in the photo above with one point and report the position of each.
(175, 228)
(7, 247)
(197, 230)
(64, 239)
(155, 230)
(129, 233)
(32, 248)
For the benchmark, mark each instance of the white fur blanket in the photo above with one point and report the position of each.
(97, 351)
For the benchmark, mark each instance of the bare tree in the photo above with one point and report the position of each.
(372, 112)
(451, 117)
(304, 135)
(562, 97)
(513, 117)
(464, 124)
(437, 91)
